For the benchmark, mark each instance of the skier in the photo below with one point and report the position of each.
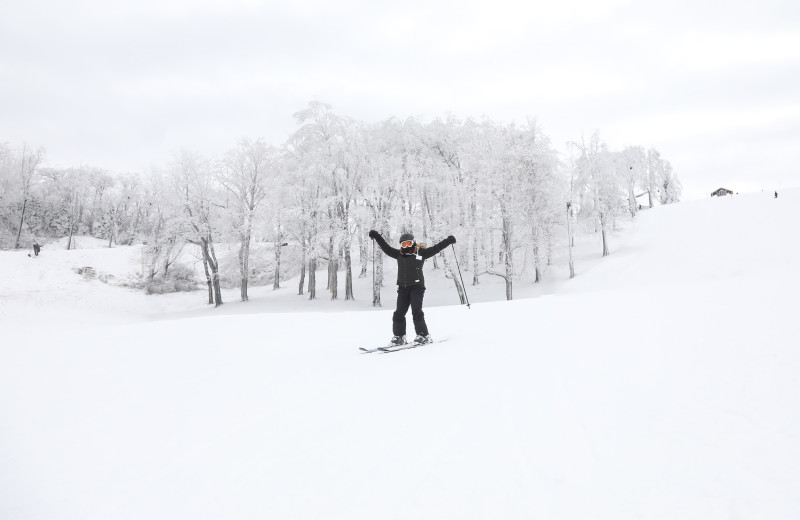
(410, 283)
(36, 248)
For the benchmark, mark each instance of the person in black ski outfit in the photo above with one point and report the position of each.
(410, 283)
(36, 249)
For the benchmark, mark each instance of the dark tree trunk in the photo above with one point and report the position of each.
(364, 254)
(449, 273)
(333, 272)
(312, 279)
(21, 221)
(215, 276)
(208, 280)
(276, 284)
(244, 264)
(211, 258)
(475, 256)
(377, 277)
(71, 227)
(348, 283)
(507, 257)
(302, 269)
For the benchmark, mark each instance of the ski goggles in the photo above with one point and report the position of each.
(406, 244)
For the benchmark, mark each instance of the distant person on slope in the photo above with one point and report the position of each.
(36, 248)
(410, 283)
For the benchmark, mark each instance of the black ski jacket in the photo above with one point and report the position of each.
(409, 266)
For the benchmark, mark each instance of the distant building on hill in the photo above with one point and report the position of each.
(721, 192)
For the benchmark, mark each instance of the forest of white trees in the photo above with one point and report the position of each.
(292, 209)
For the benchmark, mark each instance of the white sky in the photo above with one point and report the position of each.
(715, 86)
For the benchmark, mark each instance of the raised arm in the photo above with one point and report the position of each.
(389, 250)
(438, 248)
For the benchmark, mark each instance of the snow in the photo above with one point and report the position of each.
(662, 382)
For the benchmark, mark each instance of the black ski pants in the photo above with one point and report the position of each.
(409, 296)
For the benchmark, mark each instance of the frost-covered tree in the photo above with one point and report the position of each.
(654, 174)
(670, 185)
(379, 189)
(499, 187)
(633, 168)
(166, 229)
(125, 209)
(500, 150)
(98, 184)
(68, 190)
(600, 187)
(301, 215)
(24, 165)
(196, 188)
(543, 189)
(328, 147)
(6, 188)
(244, 172)
(76, 182)
(453, 157)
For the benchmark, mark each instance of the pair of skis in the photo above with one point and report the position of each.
(396, 348)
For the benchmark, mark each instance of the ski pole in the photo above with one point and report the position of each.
(374, 299)
(463, 287)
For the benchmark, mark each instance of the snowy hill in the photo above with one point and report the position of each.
(660, 383)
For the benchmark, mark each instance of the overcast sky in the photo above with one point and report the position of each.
(715, 86)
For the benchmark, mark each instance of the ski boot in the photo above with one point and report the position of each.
(422, 339)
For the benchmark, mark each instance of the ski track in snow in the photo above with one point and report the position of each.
(660, 383)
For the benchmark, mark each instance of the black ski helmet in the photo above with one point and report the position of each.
(406, 236)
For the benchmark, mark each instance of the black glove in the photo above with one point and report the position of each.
(451, 239)
(374, 234)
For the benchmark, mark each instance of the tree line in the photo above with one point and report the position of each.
(291, 209)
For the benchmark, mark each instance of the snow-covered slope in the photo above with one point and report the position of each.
(660, 383)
